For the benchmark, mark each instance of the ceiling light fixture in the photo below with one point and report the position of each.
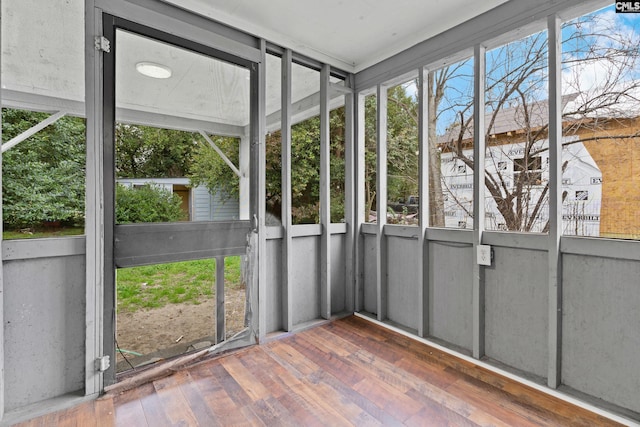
(151, 69)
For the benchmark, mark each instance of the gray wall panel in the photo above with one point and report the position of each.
(338, 259)
(601, 324)
(44, 320)
(402, 271)
(369, 282)
(516, 309)
(208, 207)
(305, 278)
(274, 285)
(450, 294)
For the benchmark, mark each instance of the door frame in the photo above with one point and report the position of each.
(233, 234)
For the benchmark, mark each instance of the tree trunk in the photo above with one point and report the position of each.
(436, 197)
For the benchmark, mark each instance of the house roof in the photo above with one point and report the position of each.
(606, 103)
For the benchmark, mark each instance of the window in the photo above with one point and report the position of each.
(517, 117)
(43, 185)
(337, 147)
(601, 115)
(402, 153)
(450, 131)
(274, 141)
(528, 171)
(370, 158)
(305, 145)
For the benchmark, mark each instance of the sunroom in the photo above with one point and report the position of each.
(182, 179)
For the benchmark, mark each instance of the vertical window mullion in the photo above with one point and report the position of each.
(381, 200)
(555, 200)
(478, 196)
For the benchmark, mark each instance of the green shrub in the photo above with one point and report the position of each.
(43, 177)
(147, 204)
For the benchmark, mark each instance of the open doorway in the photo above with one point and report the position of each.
(180, 195)
(165, 310)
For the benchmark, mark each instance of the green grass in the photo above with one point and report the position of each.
(31, 233)
(181, 282)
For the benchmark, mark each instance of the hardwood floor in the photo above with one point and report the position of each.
(348, 372)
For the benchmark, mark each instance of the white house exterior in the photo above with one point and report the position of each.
(582, 182)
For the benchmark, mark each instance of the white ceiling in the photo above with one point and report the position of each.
(349, 34)
(200, 87)
(43, 54)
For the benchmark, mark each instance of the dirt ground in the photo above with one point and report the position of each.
(175, 328)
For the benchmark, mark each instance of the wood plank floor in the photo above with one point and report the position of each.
(348, 372)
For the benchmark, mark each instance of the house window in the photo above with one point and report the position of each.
(582, 195)
(528, 172)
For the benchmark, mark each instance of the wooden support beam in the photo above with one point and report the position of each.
(423, 214)
(287, 241)
(220, 312)
(258, 174)
(338, 89)
(381, 202)
(302, 109)
(220, 153)
(555, 202)
(325, 196)
(360, 208)
(350, 208)
(478, 198)
(32, 131)
(2, 386)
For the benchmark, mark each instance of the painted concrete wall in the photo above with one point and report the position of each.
(450, 293)
(369, 282)
(338, 260)
(306, 278)
(516, 309)
(601, 320)
(402, 279)
(601, 328)
(274, 285)
(44, 323)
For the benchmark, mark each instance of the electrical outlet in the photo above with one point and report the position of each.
(484, 255)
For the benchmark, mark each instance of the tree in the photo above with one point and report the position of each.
(596, 45)
(402, 146)
(210, 170)
(149, 152)
(43, 176)
(305, 169)
(451, 101)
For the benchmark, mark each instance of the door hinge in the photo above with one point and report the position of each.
(102, 363)
(102, 44)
